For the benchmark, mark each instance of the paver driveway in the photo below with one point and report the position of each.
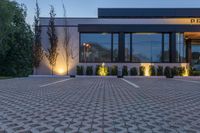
(101, 105)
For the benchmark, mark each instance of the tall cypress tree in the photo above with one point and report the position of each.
(53, 40)
(37, 47)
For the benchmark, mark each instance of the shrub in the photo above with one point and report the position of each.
(103, 71)
(190, 71)
(97, 70)
(114, 70)
(79, 70)
(134, 71)
(152, 70)
(168, 72)
(125, 70)
(175, 71)
(160, 71)
(196, 73)
(142, 70)
(89, 70)
(181, 71)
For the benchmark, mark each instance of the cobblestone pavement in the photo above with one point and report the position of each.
(99, 105)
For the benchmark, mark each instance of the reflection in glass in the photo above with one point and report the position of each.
(180, 48)
(147, 47)
(166, 48)
(100, 50)
(115, 47)
(195, 52)
(127, 47)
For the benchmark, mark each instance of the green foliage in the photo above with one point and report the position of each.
(142, 70)
(53, 39)
(190, 71)
(134, 71)
(181, 71)
(175, 71)
(97, 70)
(125, 70)
(152, 70)
(89, 70)
(103, 71)
(114, 70)
(79, 70)
(16, 40)
(196, 73)
(160, 71)
(168, 72)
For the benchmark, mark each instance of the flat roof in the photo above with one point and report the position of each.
(148, 12)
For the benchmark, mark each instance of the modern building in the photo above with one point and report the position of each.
(127, 36)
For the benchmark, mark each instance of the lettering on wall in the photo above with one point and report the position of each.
(195, 21)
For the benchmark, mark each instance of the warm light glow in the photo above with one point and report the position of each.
(61, 71)
(147, 67)
(186, 71)
(103, 71)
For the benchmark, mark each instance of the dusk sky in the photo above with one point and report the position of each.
(88, 8)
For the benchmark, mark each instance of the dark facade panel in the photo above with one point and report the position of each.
(137, 28)
(148, 12)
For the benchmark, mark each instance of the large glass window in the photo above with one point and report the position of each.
(115, 47)
(146, 47)
(180, 48)
(127, 47)
(166, 47)
(195, 52)
(99, 49)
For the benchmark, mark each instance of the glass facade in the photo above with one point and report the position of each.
(99, 50)
(165, 55)
(180, 48)
(133, 47)
(147, 47)
(195, 49)
(127, 50)
(115, 47)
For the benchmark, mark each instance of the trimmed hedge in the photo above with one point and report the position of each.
(125, 70)
(114, 70)
(160, 71)
(142, 70)
(89, 70)
(97, 70)
(152, 70)
(134, 71)
(168, 72)
(79, 70)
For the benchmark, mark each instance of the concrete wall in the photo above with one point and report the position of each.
(61, 65)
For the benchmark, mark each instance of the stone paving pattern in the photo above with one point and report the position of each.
(99, 105)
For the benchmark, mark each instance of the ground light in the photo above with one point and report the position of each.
(146, 68)
(186, 70)
(103, 71)
(61, 71)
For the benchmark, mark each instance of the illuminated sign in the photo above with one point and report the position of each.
(195, 20)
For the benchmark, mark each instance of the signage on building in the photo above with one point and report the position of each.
(195, 21)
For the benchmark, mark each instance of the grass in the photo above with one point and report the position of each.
(1, 78)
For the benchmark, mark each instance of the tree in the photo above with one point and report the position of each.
(66, 43)
(69, 51)
(52, 51)
(37, 47)
(16, 40)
